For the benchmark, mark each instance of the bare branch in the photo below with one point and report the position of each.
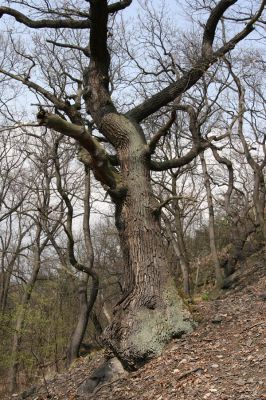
(189, 78)
(103, 170)
(193, 121)
(158, 209)
(45, 23)
(179, 162)
(211, 25)
(84, 50)
(59, 103)
(119, 5)
(229, 166)
(71, 254)
(96, 77)
(161, 132)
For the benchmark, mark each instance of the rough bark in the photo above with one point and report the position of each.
(151, 312)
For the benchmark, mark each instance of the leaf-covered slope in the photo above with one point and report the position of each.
(224, 358)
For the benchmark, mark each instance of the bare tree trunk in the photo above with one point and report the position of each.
(184, 260)
(259, 196)
(217, 267)
(97, 325)
(38, 248)
(242, 225)
(105, 310)
(6, 270)
(258, 167)
(151, 312)
(86, 304)
(5, 285)
(6, 276)
(20, 322)
(84, 313)
(184, 264)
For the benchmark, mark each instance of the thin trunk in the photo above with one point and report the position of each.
(105, 310)
(7, 278)
(218, 270)
(259, 195)
(241, 224)
(184, 265)
(197, 274)
(184, 260)
(9, 270)
(86, 305)
(84, 313)
(97, 325)
(20, 322)
(5, 286)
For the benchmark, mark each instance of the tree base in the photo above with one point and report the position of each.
(139, 333)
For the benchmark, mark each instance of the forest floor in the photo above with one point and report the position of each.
(223, 359)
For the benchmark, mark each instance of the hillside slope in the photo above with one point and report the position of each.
(223, 359)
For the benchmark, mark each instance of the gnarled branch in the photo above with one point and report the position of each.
(180, 161)
(211, 25)
(119, 5)
(45, 23)
(102, 168)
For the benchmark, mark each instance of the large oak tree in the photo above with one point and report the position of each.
(151, 311)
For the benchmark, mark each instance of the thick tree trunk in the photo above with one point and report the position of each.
(151, 312)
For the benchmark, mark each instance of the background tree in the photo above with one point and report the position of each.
(86, 304)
